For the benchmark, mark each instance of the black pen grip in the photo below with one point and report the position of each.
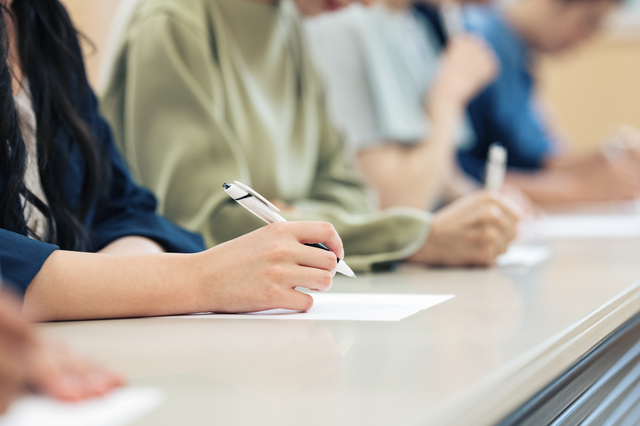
(320, 246)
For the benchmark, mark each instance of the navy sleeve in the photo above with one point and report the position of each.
(21, 258)
(505, 111)
(130, 210)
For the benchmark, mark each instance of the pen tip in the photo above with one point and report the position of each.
(345, 270)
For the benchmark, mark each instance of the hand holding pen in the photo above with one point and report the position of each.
(262, 208)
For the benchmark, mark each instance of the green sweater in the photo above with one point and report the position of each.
(202, 92)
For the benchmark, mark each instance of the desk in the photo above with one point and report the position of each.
(472, 360)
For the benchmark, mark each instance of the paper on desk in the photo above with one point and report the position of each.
(348, 307)
(521, 255)
(582, 226)
(118, 408)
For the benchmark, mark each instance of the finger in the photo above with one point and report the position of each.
(12, 368)
(319, 232)
(52, 375)
(106, 380)
(490, 243)
(7, 395)
(316, 279)
(313, 257)
(297, 301)
(493, 217)
(81, 372)
(510, 208)
(96, 381)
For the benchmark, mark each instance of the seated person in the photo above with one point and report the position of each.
(509, 112)
(398, 96)
(79, 239)
(206, 91)
(27, 363)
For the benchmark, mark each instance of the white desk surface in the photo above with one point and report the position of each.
(469, 361)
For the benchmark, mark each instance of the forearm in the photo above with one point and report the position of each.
(546, 186)
(572, 162)
(426, 166)
(75, 286)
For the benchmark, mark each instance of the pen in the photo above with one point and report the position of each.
(261, 207)
(496, 167)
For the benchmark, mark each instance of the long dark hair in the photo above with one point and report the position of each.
(51, 60)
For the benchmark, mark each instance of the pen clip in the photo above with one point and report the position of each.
(258, 196)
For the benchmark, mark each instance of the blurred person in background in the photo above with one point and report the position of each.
(205, 91)
(399, 96)
(509, 110)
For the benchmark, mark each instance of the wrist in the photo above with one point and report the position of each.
(427, 254)
(443, 106)
(201, 279)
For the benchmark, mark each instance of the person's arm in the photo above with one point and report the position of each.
(255, 272)
(580, 180)
(416, 176)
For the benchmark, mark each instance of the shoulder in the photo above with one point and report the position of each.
(489, 23)
(190, 15)
(481, 19)
(346, 20)
(338, 33)
(338, 44)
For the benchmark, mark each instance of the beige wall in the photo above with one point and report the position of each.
(93, 18)
(594, 89)
(591, 90)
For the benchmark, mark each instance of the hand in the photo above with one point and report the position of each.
(471, 231)
(624, 142)
(26, 362)
(56, 372)
(618, 180)
(16, 339)
(530, 210)
(261, 270)
(468, 65)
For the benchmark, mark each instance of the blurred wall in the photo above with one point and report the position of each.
(591, 90)
(595, 88)
(93, 18)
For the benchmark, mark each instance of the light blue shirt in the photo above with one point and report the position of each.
(377, 65)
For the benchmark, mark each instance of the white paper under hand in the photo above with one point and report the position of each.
(348, 307)
(118, 408)
(519, 255)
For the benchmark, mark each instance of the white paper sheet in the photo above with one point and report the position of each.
(582, 226)
(118, 408)
(347, 307)
(521, 255)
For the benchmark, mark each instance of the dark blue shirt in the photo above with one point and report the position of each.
(505, 111)
(128, 210)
